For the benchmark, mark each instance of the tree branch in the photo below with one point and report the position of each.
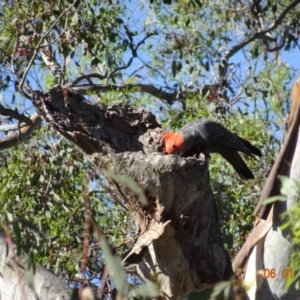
(124, 140)
(37, 48)
(15, 115)
(47, 285)
(87, 77)
(83, 89)
(52, 64)
(13, 139)
(133, 51)
(12, 127)
(224, 61)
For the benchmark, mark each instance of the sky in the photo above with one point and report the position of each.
(293, 59)
(136, 15)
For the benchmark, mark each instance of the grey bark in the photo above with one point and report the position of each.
(15, 138)
(278, 246)
(46, 285)
(180, 238)
(273, 248)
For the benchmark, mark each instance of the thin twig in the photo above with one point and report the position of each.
(251, 38)
(133, 52)
(87, 225)
(108, 189)
(36, 50)
(87, 77)
(14, 52)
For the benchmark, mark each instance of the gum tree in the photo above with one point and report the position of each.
(107, 77)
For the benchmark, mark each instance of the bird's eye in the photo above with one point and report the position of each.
(174, 146)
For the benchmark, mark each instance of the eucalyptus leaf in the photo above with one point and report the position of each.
(148, 289)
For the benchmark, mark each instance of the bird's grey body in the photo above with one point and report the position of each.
(206, 135)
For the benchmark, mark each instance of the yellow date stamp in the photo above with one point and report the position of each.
(273, 273)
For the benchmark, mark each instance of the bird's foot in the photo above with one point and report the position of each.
(204, 156)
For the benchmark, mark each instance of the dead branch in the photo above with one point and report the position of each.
(13, 139)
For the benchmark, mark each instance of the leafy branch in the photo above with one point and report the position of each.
(257, 35)
(133, 49)
(37, 48)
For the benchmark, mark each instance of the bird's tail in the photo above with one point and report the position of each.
(254, 150)
(238, 164)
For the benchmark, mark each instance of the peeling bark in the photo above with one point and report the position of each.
(269, 247)
(180, 238)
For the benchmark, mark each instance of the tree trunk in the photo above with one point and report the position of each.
(277, 246)
(268, 247)
(180, 239)
(14, 285)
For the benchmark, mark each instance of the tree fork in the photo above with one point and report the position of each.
(180, 239)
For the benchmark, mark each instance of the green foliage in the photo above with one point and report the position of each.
(237, 198)
(114, 267)
(41, 200)
(148, 290)
(41, 190)
(178, 46)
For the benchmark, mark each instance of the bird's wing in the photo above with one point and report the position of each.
(223, 137)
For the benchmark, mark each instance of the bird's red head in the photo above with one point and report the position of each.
(173, 142)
